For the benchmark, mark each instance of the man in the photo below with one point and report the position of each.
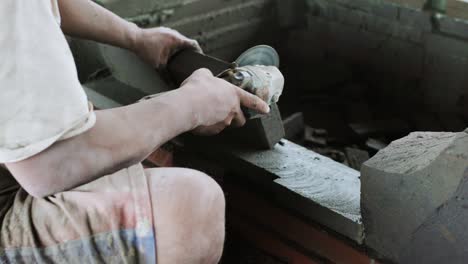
(75, 191)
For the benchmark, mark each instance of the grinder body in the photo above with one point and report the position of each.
(266, 82)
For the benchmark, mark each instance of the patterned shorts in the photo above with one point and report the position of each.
(109, 220)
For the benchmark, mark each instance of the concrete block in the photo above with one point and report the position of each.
(447, 47)
(406, 187)
(415, 18)
(379, 8)
(370, 21)
(453, 26)
(259, 133)
(202, 17)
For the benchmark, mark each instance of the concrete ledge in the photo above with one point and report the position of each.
(312, 185)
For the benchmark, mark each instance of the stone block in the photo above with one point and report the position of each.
(312, 185)
(408, 189)
(415, 18)
(447, 47)
(453, 26)
(380, 8)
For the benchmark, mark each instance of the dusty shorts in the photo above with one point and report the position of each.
(106, 221)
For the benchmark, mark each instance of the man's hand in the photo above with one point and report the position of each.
(217, 103)
(157, 45)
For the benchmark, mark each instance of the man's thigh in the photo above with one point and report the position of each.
(109, 220)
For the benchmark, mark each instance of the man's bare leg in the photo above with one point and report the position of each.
(188, 209)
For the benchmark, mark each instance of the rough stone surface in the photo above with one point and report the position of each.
(314, 186)
(404, 188)
(329, 192)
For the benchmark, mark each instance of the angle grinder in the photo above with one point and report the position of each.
(256, 71)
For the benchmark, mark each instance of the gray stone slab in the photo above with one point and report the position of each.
(314, 186)
(405, 185)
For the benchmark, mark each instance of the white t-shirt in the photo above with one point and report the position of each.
(41, 99)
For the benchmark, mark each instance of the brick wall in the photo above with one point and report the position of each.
(419, 58)
(223, 28)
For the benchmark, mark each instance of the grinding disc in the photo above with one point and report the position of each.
(259, 55)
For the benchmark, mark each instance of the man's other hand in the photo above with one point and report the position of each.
(157, 45)
(217, 104)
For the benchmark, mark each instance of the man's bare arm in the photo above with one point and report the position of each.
(121, 137)
(125, 136)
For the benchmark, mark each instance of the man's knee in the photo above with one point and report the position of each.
(190, 183)
(211, 214)
(197, 211)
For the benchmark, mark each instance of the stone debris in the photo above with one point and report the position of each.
(356, 157)
(294, 125)
(375, 144)
(313, 138)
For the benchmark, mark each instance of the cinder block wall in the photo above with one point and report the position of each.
(417, 59)
(223, 28)
(414, 59)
